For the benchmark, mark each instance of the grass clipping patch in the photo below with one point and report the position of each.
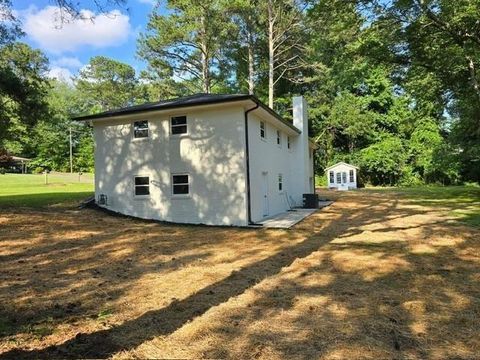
(372, 276)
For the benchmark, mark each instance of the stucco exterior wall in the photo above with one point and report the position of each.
(340, 169)
(267, 161)
(212, 154)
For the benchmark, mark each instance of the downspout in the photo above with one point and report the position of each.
(247, 162)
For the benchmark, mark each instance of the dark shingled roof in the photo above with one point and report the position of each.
(193, 100)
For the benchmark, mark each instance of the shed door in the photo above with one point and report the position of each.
(265, 192)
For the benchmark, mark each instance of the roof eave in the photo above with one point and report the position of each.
(105, 116)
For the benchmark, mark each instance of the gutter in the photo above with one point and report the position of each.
(247, 162)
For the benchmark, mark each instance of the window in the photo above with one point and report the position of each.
(140, 129)
(180, 185)
(332, 177)
(142, 185)
(178, 125)
(351, 176)
(288, 142)
(280, 182)
(263, 133)
(279, 138)
(339, 178)
(344, 177)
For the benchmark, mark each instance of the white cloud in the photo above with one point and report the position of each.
(68, 62)
(96, 30)
(61, 73)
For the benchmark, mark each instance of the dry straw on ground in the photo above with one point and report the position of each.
(369, 277)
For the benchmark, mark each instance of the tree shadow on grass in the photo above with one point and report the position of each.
(368, 286)
(43, 199)
(166, 320)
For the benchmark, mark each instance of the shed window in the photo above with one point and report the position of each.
(140, 129)
(344, 177)
(178, 125)
(351, 176)
(142, 185)
(262, 130)
(280, 182)
(180, 184)
(332, 177)
(339, 178)
(288, 142)
(279, 138)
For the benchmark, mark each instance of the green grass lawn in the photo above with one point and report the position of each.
(17, 190)
(461, 201)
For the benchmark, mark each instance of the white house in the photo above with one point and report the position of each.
(210, 159)
(342, 176)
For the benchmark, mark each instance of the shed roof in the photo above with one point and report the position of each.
(342, 163)
(18, 158)
(186, 101)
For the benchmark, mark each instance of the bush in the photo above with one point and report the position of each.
(38, 170)
(3, 171)
(410, 178)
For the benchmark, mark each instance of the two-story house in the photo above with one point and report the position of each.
(202, 159)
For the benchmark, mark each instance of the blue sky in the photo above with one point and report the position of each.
(70, 46)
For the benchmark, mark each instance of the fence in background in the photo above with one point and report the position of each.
(59, 177)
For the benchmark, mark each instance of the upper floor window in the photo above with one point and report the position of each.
(280, 182)
(288, 142)
(142, 185)
(178, 125)
(140, 129)
(332, 177)
(279, 138)
(180, 184)
(351, 176)
(263, 131)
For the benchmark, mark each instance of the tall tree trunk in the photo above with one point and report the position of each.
(251, 66)
(473, 76)
(271, 53)
(205, 59)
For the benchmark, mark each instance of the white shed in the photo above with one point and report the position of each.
(342, 176)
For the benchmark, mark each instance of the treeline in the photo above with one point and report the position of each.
(393, 86)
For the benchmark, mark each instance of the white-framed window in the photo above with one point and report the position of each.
(180, 184)
(352, 179)
(142, 185)
(140, 129)
(279, 138)
(263, 130)
(339, 178)
(280, 182)
(288, 142)
(332, 177)
(178, 125)
(344, 177)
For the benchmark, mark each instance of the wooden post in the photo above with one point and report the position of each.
(71, 152)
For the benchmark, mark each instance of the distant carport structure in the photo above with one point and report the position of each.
(21, 163)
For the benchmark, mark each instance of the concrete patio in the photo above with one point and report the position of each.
(288, 219)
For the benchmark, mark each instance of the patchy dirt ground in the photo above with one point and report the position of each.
(372, 276)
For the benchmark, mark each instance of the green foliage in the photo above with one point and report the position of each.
(383, 161)
(23, 89)
(106, 84)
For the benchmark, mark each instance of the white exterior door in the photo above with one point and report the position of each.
(265, 193)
